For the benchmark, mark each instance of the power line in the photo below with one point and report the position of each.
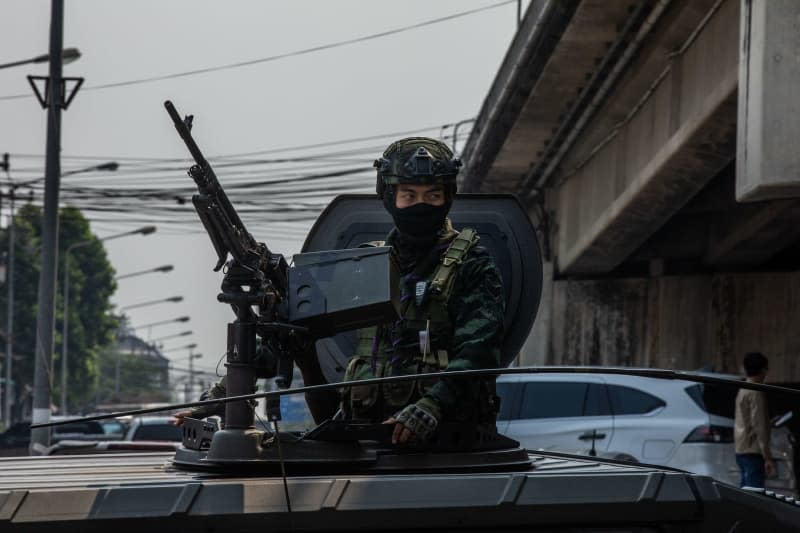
(145, 160)
(276, 57)
(284, 182)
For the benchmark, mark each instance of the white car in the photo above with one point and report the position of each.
(674, 423)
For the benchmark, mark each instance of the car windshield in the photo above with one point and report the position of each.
(113, 427)
(165, 431)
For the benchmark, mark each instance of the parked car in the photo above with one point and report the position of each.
(115, 427)
(80, 447)
(675, 423)
(15, 440)
(153, 428)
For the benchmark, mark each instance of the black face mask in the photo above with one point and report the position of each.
(420, 220)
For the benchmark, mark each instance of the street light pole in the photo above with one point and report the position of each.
(68, 55)
(119, 354)
(151, 325)
(174, 299)
(173, 336)
(192, 357)
(162, 322)
(45, 319)
(191, 346)
(146, 230)
(165, 268)
(108, 166)
(9, 302)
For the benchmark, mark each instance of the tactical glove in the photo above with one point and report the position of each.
(421, 422)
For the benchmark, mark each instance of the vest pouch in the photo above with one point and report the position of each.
(359, 400)
(424, 385)
(436, 360)
(399, 394)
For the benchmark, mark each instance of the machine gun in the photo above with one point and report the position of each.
(253, 263)
(325, 293)
(254, 277)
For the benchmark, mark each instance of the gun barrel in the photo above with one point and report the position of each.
(186, 134)
(222, 222)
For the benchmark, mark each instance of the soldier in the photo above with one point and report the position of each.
(452, 309)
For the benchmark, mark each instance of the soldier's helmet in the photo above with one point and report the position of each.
(417, 161)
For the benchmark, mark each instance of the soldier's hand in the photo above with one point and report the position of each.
(401, 434)
(414, 422)
(177, 418)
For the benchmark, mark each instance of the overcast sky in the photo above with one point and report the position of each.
(418, 80)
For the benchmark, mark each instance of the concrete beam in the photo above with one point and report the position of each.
(757, 233)
(681, 135)
(529, 54)
(768, 167)
(671, 31)
(552, 56)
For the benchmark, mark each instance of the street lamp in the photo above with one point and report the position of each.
(181, 334)
(145, 230)
(151, 325)
(110, 165)
(174, 299)
(187, 347)
(68, 55)
(192, 357)
(162, 322)
(165, 268)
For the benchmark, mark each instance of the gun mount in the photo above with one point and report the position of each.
(324, 294)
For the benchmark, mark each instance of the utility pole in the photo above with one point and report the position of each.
(10, 299)
(45, 319)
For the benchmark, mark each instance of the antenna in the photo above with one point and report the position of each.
(274, 415)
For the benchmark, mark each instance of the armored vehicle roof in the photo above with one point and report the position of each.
(136, 492)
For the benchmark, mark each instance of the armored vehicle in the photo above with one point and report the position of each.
(347, 476)
(333, 485)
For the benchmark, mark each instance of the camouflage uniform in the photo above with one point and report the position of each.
(465, 333)
(462, 319)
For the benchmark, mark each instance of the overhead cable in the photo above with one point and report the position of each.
(276, 57)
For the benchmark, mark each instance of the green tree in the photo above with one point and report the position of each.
(91, 284)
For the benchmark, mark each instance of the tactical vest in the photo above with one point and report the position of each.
(419, 342)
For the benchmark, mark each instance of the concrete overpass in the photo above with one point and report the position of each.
(669, 242)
